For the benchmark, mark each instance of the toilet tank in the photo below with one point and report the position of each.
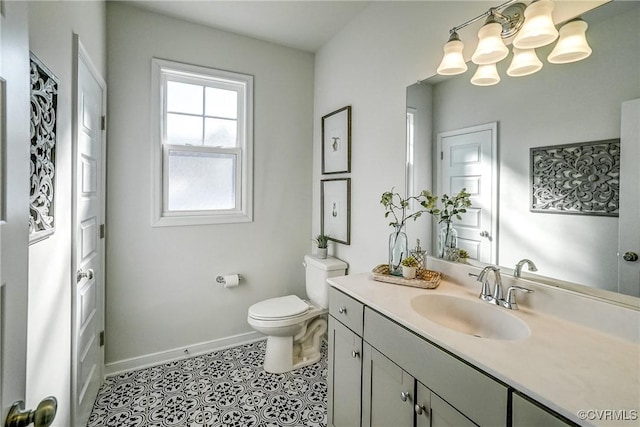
(317, 272)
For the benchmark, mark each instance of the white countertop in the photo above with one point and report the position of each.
(565, 366)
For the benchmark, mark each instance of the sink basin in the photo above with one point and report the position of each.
(475, 318)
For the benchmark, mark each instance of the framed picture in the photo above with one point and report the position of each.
(336, 142)
(335, 201)
(44, 127)
(579, 179)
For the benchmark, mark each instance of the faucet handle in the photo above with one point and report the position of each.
(485, 293)
(510, 301)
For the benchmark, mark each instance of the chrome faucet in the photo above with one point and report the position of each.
(496, 297)
(486, 294)
(530, 265)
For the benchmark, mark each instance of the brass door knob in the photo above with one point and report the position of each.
(42, 416)
(630, 256)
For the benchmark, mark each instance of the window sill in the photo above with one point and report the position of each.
(179, 221)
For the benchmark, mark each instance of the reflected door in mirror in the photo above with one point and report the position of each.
(467, 160)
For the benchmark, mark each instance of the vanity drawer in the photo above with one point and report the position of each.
(346, 310)
(470, 391)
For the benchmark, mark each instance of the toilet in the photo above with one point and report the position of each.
(294, 327)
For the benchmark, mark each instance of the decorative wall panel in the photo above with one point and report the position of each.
(44, 103)
(581, 178)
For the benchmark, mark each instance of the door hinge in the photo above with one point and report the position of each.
(101, 338)
(103, 122)
(442, 155)
(102, 231)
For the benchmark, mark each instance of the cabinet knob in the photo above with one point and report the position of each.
(342, 310)
(404, 396)
(419, 409)
(355, 353)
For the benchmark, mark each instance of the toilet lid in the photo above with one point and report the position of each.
(276, 308)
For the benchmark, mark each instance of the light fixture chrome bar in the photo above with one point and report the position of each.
(484, 15)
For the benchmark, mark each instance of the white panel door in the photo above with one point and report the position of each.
(468, 160)
(629, 227)
(14, 215)
(88, 295)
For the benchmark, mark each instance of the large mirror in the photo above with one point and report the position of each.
(561, 104)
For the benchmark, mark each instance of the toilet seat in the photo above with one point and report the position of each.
(280, 308)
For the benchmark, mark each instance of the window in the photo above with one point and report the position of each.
(202, 145)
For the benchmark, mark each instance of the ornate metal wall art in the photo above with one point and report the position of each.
(44, 103)
(581, 178)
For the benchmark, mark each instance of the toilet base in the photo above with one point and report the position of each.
(284, 354)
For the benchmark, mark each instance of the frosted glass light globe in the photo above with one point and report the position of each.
(452, 62)
(572, 45)
(538, 28)
(524, 63)
(486, 75)
(491, 48)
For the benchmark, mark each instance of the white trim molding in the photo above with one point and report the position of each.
(162, 357)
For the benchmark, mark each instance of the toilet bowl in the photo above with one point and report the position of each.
(295, 327)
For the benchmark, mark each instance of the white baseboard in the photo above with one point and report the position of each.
(153, 359)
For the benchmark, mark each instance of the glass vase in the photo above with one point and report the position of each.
(448, 242)
(398, 250)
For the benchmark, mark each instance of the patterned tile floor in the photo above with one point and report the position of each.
(223, 388)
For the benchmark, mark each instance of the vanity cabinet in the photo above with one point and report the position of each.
(392, 397)
(452, 382)
(345, 360)
(382, 374)
(527, 413)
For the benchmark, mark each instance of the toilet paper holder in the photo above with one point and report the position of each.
(221, 278)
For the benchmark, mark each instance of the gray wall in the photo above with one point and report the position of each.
(161, 290)
(560, 104)
(369, 65)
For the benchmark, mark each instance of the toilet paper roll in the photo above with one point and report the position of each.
(229, 280)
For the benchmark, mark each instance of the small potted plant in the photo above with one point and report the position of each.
(409, 267)
(322, 242)
(463, 256)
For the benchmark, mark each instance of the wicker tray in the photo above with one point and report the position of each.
(426, 279)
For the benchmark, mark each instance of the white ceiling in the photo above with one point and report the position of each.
(305, 25)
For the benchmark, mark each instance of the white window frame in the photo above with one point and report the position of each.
(162, 70)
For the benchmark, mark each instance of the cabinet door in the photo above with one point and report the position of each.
(422, 407)
(387, 396)
(432, 411)
(344, 378)
(528, 414)
(445, 415)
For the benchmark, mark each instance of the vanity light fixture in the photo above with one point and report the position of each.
(572, 45)
(452, 62)
(532, 27)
